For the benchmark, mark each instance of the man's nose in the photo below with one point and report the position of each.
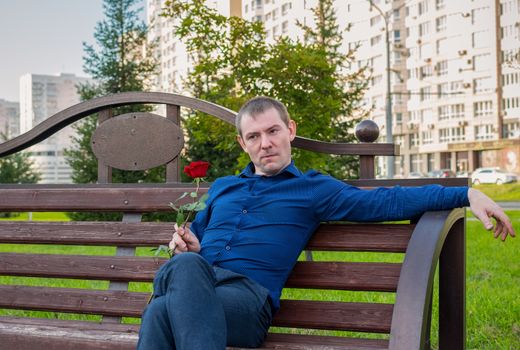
(265, 141)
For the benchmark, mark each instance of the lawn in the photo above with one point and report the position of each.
(505, 192)
(493, 284)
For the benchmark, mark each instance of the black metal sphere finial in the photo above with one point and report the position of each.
(367, 131)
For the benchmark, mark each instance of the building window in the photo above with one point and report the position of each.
(484, 84)
(512, 130)
(440, 23)
(375, 40)
(444, 135)
(399, 118)
(285, 8)
(484, 132)
(375, 20)
(483, 108)
(423, 7)
(424, 28)
(442, 67)
(427, 137)
(482, 62)
(414, 139)
(397, 36)
(425, 93)
(397, 14)
(285, 27)
(481, 39)
(439, 4)
(457, 111)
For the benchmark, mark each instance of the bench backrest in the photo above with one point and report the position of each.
(113, 259)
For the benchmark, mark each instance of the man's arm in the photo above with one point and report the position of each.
(184, 240)
(484, 209)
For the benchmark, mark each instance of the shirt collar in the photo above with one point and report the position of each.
(291, 170)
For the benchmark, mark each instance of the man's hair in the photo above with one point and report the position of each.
(258, 105)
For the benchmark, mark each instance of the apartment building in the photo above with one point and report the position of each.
(454, 96)
(41, 96)
(174, 60)
(9, 119)
(455, 93)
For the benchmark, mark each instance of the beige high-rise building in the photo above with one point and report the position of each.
(41, 96)
(9, 119)
(454, 73)
(174, 60)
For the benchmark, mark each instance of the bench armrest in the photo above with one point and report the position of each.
(437, 235)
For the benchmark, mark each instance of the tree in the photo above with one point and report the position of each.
(234, 63)
(17, 168)
(117, 64)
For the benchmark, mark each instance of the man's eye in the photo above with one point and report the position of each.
(252, 137)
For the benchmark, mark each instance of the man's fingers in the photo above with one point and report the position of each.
(485, 219)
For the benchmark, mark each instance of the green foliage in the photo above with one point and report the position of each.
(234, 63)
(17, 168)
(117, 64)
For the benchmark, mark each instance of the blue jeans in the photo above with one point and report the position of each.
(198, 306)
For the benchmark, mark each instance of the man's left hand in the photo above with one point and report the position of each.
(484, 208)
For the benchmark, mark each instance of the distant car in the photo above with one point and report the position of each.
(492, 176)
(462, 174)
(441, 173)
(415, 175)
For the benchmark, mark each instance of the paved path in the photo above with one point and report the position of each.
(510, 205)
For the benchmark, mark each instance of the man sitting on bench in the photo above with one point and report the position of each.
(224, 283)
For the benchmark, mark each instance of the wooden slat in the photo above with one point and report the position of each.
(345, 276)
(362, 237)
(360, 317)
(80, 301)
(320, 275)
(29, 334)
(125, 198)
(147, 234)
(114, 268)
(317, 342)
(354, 237)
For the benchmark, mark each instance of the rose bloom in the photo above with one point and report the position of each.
(196, 169)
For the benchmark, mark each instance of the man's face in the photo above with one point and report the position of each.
(267, 141)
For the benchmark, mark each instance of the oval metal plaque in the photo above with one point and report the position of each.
(137, 141)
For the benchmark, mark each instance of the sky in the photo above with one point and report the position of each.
(44, 37)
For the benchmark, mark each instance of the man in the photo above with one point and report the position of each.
(224, 284)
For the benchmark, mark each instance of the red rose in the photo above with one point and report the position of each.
(196, 169)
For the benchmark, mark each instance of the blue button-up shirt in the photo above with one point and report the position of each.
(258, 225)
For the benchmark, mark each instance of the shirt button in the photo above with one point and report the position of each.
(228, 247)
(244, 211)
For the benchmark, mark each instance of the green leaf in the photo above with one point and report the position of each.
(200, 206)
(180, 219)
(204, 198)
(193, 194)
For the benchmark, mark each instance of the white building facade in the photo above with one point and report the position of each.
(9, 119)
(41, 96)
(174, 60)
(454, 81)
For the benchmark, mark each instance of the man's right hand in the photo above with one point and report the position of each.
(184, 240)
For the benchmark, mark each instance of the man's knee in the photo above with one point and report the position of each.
(182, 268)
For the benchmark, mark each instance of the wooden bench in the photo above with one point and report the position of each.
(35, 277)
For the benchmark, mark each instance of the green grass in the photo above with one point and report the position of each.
(505, 192)
(493, 284)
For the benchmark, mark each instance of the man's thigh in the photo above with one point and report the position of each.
(247, 311)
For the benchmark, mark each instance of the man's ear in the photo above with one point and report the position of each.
(241, 142)
(292, 129)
